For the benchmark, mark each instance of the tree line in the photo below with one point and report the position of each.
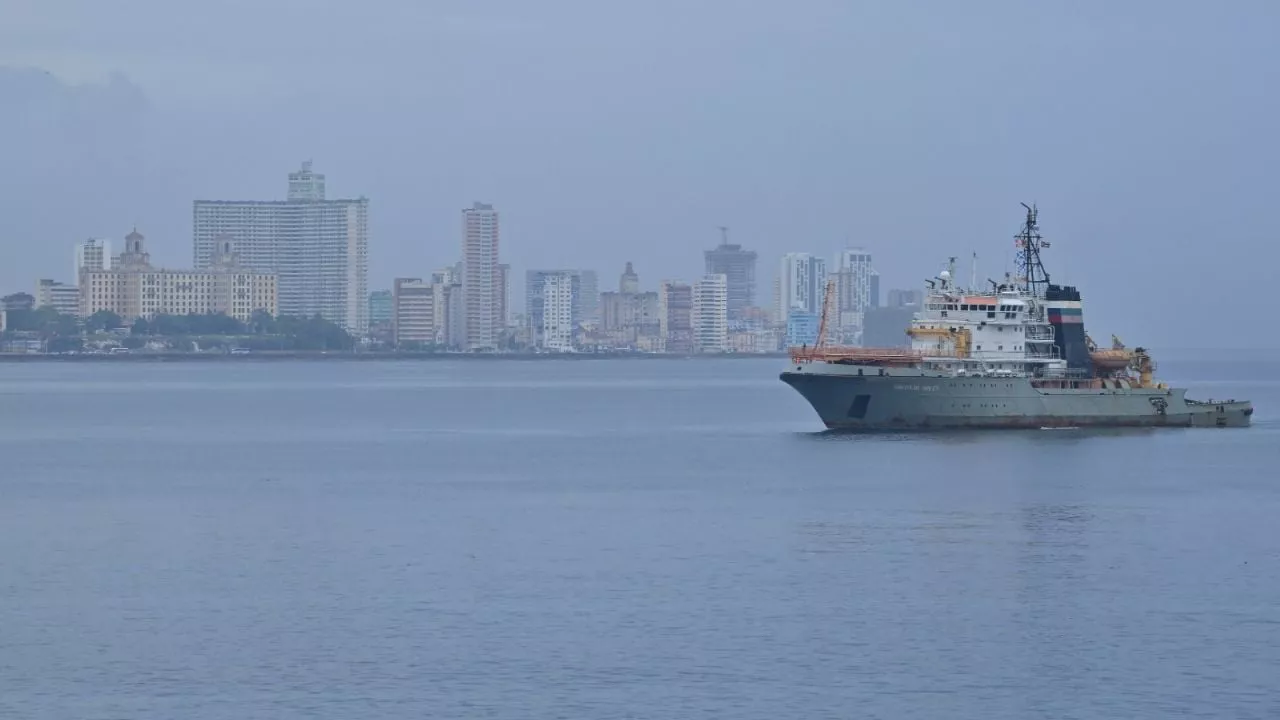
(263, 331)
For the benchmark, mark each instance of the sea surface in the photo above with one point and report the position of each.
(615, 539)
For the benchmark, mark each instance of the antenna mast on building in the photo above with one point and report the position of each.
(724, 234)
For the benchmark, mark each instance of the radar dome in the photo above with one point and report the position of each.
(945, 275)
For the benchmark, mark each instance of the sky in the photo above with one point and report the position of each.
(606, 132)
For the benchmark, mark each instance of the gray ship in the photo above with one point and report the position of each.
(1015, 355)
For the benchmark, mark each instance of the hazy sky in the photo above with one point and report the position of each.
(606, 132)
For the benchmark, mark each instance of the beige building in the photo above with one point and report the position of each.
(413, 312)
(60, 296)
(132, 288)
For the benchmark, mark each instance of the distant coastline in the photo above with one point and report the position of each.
(349, 356)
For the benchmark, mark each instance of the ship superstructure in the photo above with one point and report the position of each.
(1014, 354)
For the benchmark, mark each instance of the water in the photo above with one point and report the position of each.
(620, 539)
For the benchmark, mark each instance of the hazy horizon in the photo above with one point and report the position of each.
(1144, 132)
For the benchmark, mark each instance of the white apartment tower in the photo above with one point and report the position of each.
(710, 314)
(318, 248)
(93, 254)
(801, 284)
(558, 311)
(482, 278)
(856, 288)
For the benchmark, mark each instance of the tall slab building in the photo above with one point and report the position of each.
(739, 269)
(318, 248)
(483, 279)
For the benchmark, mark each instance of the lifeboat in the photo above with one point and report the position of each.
(1111, 360)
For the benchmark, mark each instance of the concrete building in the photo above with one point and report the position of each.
(482, 282)
(381, 303)
(413, 312)
(675, 316)
(901, 298)
(586, 299)
(739, 268)
(133, 288)
(857, 289)
(710, 314)
(629, 311)
(60, 296)
(504, 296)
(318, 248)
(446, 286)
(629, 281)
(755, 341)
(92, 254)
(887, 326)
(802, 328)
(628, 314)
(801, 285)
(305, 185)
(558, 326)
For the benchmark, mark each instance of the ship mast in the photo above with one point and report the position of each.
(828, 294)
(1032, 276)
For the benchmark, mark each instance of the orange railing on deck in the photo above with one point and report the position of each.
(869, 356)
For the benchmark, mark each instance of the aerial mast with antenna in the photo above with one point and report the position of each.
(1032, 276)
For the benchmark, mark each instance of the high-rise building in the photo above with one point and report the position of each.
(481, 278)
(449, 319)
(93, 254)
(675, 321)
(900, 298)
(306, 186)
(739, 268)
(413, 312)
(854, 280)
(586, 298)
(857, 288)
(558, 295)
(381, 304)
(709, 314)
(132, 288)
(802, 280)
(60, 296)
(318, 248)
(504, 294)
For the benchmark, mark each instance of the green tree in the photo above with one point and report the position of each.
(103, 320)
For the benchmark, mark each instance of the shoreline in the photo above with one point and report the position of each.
(275, 356)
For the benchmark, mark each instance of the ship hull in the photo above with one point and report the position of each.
(914, 400)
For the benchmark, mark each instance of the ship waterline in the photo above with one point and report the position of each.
(869, 398)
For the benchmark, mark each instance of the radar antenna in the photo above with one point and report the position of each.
(1032, 276)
